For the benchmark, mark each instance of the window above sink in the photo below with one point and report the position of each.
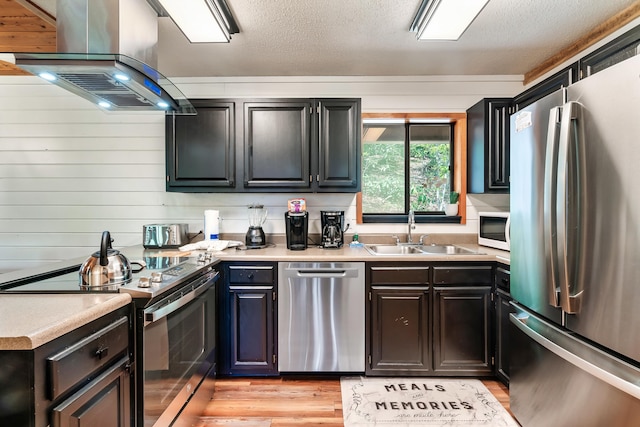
(417, 176)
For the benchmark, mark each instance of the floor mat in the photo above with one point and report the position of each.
(420, 401)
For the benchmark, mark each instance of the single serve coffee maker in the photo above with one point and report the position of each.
(297, 228)
(332, 223)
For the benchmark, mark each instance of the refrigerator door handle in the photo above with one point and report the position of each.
(571, 206)
(549, 206)
(507, 231)
(596, 363)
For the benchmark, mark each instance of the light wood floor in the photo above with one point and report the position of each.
(281, 402)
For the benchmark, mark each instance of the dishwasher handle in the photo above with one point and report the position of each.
(322, 273)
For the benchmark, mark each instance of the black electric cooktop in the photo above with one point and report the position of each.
(175, 270)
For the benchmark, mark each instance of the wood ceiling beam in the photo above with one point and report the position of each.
(24, 27)
(598, 33)
(38, 11)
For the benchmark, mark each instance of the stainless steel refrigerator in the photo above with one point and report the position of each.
(575, 254)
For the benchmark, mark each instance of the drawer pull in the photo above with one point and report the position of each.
(102, 352)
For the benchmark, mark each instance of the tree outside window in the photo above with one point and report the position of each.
(406, 166)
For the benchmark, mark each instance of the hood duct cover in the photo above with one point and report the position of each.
(106, 54)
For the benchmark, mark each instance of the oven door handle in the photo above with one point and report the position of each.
(153, 314)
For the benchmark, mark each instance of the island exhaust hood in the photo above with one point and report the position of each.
(106, 53)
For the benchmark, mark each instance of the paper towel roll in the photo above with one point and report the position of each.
(211, 224)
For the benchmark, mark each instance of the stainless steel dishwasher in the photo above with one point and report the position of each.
(321, 317)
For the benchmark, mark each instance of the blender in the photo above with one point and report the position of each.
(255, 236)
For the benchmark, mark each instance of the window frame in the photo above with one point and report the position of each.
(459, 122)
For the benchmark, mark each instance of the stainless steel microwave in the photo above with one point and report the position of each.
(493, 230)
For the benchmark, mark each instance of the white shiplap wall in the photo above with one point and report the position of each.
(68, 170)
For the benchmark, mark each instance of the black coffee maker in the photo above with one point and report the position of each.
(297, 227)
(332, 223)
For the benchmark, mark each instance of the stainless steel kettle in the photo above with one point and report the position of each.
(107, 269)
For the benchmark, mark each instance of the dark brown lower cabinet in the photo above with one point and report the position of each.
(248, 322)
(103, 402)
(400, 339)
(430, 319)
(462, 330)
(252, 339)
(503, 324)
(83, 378)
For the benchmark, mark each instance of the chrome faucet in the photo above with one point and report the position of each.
(411, 225)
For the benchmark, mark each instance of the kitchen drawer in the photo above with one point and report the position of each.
(463, 275)
(104, 401)
(87, 356)
(251, 274)
(399, 275)
(503, 279)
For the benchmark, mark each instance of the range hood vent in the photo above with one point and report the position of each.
(107, 54)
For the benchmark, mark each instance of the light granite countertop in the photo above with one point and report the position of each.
(28, 321)
(279, 252)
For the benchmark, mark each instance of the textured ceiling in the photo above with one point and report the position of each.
(371, 37)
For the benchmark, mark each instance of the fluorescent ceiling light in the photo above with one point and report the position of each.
(199, 20)
(445, 19)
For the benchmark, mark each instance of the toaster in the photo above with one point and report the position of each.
(165, 235)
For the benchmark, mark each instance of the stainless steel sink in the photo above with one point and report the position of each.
(446, 249)
(408, 249)
(393, 249)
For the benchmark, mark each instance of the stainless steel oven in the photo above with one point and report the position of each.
(175, 329)
(177, 335)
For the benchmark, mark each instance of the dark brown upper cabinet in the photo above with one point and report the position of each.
(563, 78)
(339, 135)
(266, 145)
(277, 144)
(617, 50)
(200, 149)
(488, 146)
